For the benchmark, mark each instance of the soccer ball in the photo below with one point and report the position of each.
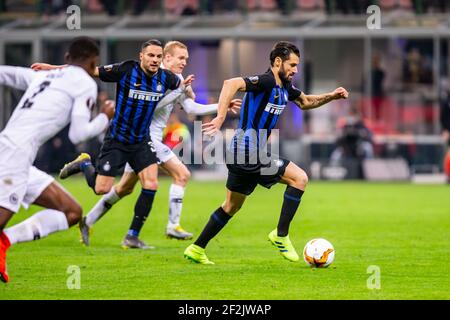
(318, 253)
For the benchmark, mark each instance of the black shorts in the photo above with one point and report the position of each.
(115, 154)
(244, 178)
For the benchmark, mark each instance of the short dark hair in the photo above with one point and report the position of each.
(152, 42)
(283, 49)
(82, 48)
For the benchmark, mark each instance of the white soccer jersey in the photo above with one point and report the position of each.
(52, 100)
(161, 116)
(166, 105)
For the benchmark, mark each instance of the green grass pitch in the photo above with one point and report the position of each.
(401, 228)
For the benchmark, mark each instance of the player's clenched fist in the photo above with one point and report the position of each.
(340, 93)
(108, 108)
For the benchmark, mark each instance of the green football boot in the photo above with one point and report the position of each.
(197, 254)
(284, 245)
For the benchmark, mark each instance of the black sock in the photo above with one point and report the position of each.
(89, 173)
(141, 211)
(216, 222)
(292, 198)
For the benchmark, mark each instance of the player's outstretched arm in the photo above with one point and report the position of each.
(16, 77)
(229, 89)
(81, 127)
(178, 93)
(193, 108)
(40, 66)
(190, 93)
(306, 102)
(169, 98)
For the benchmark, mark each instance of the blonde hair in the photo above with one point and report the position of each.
(171, 45)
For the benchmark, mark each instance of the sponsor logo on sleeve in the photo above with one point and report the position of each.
(254, 79)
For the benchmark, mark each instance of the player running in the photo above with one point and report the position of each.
(175, 59)
(140, 86)
(53, 100)
(266, 97)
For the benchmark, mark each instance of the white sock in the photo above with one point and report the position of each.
(101, 207)
(176, 194)
(37, 226)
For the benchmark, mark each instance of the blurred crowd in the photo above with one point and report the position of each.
(208, 7)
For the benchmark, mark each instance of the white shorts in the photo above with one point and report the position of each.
(20, 182)
(38, 181)
(163, 153)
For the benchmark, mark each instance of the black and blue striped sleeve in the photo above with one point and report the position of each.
(263, 82)
(172, 80)
(293, 92)
(115, 72)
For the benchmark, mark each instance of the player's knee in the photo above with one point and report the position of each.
(151, 184)
(102, 189)
(124, 190)
(301, 181)
(182, 178)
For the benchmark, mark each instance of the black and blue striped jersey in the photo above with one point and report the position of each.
(262, 106)
(137, 95)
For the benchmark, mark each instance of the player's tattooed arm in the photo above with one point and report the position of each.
(306, 102)
(229, 89)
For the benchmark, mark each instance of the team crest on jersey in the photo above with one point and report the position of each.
(107, 166)
(159, 87)
(14, 198)
(254, 79)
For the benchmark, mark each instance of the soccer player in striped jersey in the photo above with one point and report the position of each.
(266, 97)
(140, 86)
(175, 59)
(51, 101)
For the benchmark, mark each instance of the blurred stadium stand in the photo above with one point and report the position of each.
(394, 74)
(17, 8)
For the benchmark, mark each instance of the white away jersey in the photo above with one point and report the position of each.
(161, 116)
(52, 99)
